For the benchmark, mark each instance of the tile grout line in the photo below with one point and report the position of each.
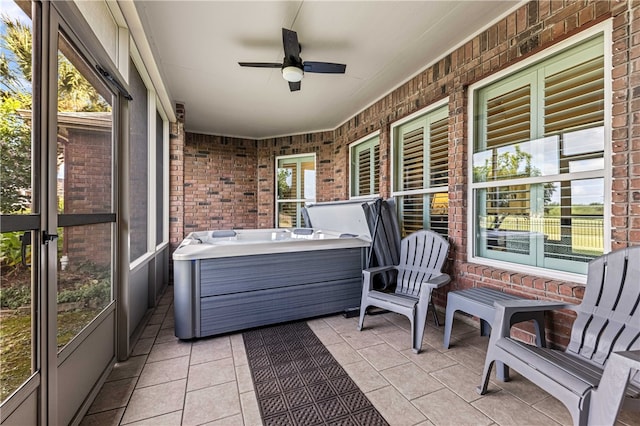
(155, 338)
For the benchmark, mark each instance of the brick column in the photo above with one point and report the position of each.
(176, 179)
(625, 123)
(458, 179)
(634, 120)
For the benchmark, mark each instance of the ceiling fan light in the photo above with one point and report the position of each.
(292, 74)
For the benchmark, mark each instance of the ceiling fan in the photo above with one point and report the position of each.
(292, 66)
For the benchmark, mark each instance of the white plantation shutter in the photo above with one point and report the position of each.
(439, 176)
(509, 118)
(439, 153)
(574, 98)
(413, 160)
(365, 167)
(412, 208)
(364, 171)
(376, 168)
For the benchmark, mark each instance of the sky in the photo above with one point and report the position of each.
(11, 9)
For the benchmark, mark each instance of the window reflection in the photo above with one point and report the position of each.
(84, 188)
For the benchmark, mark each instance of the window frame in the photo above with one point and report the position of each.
(372, 139)
(162, 199)
(604, 29)
(395, 128)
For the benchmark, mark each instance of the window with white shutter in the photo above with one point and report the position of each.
(421, 172)
(365, 167)
(538, 169)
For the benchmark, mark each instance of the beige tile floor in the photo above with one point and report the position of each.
(207, 381)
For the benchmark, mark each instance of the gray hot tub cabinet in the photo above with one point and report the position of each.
(244, 286)
(241, 292)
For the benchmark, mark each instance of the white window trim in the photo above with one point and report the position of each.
(351, 146)
(606, 29)
(275, 182)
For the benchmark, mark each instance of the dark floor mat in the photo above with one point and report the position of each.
(298, 382)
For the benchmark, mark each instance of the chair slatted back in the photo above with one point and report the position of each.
(609, 316)
(422, 256)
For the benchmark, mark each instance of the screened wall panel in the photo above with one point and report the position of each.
(138, 165)
(160, 170)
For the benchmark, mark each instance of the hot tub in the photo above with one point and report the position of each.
(231, 280)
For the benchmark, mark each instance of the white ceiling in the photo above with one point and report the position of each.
(198, 44)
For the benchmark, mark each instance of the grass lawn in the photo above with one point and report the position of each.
(15, 343)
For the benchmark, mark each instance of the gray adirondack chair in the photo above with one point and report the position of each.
(419, 271)
(599, 366)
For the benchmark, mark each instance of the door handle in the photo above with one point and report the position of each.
(46, 237)
(25, 240)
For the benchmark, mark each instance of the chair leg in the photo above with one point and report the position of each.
(502, 371)
(485, 328)
(415, 345)
(482, 389)
(363, 311)
(417, 329)
(448, 324)
(433, 312)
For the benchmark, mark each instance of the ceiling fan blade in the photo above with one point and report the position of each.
(294, 86)
(260, 64)
(291, 45)
(324, 67)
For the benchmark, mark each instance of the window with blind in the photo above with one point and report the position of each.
(421, 172)
(295, 186)
(538, 164)
(365, 167)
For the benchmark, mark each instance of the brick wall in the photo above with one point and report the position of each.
(530, 29)
(176, 179)
(220, 183)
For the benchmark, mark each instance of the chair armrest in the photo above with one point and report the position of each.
(368, 274)
(607, 400)
(438, 281)
(378, 269)
(435, 282)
